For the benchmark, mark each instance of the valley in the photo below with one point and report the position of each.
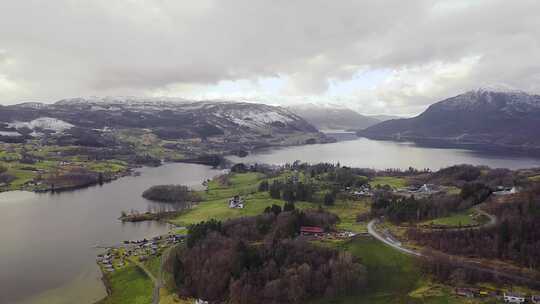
(101, 160)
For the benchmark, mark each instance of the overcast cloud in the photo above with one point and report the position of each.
(393, 57)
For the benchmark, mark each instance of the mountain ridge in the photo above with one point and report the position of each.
(240, 124)
(486, 117)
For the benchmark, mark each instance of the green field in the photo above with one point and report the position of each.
(153, 264)
(106, 166)
(394, 182)
(347, 212)
(130, 285)
(393, 277)
(535, 178)
(454, 220)
(215, 203)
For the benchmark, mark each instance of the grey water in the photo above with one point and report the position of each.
(48, 241)
(366, 153)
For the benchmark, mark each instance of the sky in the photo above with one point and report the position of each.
(376, 57)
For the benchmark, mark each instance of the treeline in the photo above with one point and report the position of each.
(255, 260)
(516, 237)
(5, 178)
(74, 177)
(457, 272)
(171, 194)
(460, 175)
(399, 208)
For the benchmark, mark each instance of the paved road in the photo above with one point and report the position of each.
(492, 218)
(397, 245)
(390, 242)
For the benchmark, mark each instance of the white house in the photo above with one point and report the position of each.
(535, 299)
(199, 301)
(512, 297)
(236, 202)
(506, 191)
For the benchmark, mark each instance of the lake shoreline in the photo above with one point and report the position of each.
(448, 143)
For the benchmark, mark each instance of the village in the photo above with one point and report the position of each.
(117, 257)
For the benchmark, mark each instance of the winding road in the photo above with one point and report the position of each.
(372, 230)
(388, 241)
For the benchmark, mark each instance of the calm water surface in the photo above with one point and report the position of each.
(47, 241)
(367, 153)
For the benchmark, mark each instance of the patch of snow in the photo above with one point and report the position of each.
(254, 118)
(46, 123)
(32, 105)
(10, 133)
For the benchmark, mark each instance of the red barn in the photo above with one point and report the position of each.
(309, 230)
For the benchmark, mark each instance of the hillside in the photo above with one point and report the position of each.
(90, 121)
(485, 117)
(330, 117)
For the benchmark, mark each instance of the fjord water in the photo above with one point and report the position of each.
(366, 153)
(48, 241)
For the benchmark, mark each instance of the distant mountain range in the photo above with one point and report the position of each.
(242, 124)
(485, 117)
(333, 117)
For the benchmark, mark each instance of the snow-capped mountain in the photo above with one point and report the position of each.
(333, 117)
(483, 116)
(166, 118)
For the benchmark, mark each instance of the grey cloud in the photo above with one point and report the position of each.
(69, 48)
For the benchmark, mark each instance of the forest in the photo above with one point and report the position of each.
(515, 237)
(257, 260)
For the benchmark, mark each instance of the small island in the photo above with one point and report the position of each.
(178, 196)
(171, 194)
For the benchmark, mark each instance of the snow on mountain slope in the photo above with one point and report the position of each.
(218, 113)
(256, 117)
(10, 133)
(46, 123)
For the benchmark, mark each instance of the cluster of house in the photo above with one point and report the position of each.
(142, 249)
(236, 202)
(363, 191)
(507, 297)
(106, 260)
